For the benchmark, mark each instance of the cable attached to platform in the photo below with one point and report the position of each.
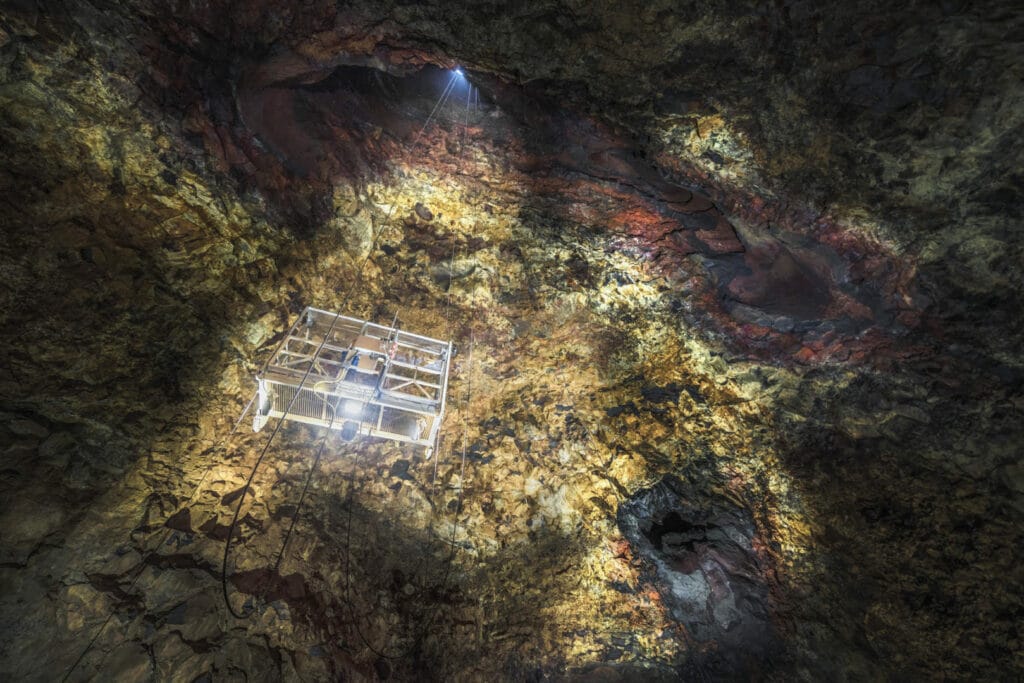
(309, 478)
(444, 96)
(316, 460)
(145, 558)
(234, 521)
(255, 467)
(452, 544)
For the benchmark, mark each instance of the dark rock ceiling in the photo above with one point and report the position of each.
(742, 283)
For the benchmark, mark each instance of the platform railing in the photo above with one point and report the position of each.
(396, 390)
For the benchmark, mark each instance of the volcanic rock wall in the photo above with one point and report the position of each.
(736, 297)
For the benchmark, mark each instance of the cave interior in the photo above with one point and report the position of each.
(734, 293)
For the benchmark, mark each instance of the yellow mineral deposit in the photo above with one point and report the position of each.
(733, 294)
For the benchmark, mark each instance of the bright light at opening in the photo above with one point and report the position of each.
(458, 71)
(351, 409)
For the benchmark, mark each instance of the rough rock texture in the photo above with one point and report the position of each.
(736, 289)
(704, 551)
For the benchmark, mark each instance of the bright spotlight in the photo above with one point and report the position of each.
(458, 71)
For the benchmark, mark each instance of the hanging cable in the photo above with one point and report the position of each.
(440, 102)
(255, 467)
(316, 460)
(448, 292)
(163, 539)
(465, 133)
(444, 96)
(469, 388)
(462, 466)
(452, 543)
(234, 521)
(451, 265)
(305, 487)
(455, 524)
(349, 501)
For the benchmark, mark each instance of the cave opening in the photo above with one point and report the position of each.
(677, 530)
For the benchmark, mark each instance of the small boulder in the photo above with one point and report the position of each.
(423, 212)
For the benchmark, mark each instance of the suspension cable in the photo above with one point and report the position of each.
(149, 553)
(462, 466)
(255, 467)
(468, 401)
(451, 265)
(444, 96)
(319, 454)
(309, 478)
(440, 102)
(349, 502)
(316, 355)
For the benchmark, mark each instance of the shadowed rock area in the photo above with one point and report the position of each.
(707, 571)
(735, 290)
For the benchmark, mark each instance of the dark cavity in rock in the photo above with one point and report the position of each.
(699, 547)
(423, 212)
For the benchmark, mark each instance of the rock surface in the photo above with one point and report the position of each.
(736, 292)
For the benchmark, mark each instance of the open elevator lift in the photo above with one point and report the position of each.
(364, 379)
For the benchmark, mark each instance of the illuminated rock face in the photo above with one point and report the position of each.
(736, 294)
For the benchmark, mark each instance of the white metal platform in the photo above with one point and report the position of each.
(364, 379)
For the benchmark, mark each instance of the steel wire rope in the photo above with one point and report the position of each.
(305, 487)
(323, 441)
(451, 544)
(348, 531)
(448, 332)
(462, 467)
(444, 95)
(259, 460)
(167, 533)
(469, 385)
(355, 619)
(451, 270)
(234, 521)
(448, 291)
(465, 129)
(348, 536)
(320, 453)
(469, 395)
(334, 413)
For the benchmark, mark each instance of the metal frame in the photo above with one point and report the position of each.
(384, 382)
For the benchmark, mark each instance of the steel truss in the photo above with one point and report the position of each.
(382, 381)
